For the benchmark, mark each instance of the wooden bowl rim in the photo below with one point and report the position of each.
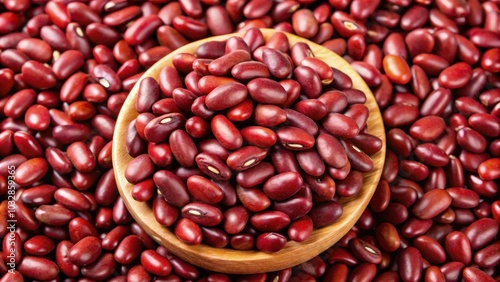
(246, 262)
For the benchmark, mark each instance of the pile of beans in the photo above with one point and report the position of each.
(433, 66)
(245, 165)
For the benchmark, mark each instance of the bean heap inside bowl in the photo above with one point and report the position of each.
(248, 144)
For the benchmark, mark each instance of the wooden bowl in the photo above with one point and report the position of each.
(244, 262)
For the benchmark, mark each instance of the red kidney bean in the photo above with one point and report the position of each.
(226, 133)
(489, 58)
(235, 219)
(250, 70)
(80, 228)
(218, 20)
(37, 117)
(300, 229)
(143, 191)
(430, 249)
(431, 204)
(381, 198)
(31, 171)
(37, 75)
(42, 52)
(38, 268)
(183, 148)
(120, 212)
(139, 169)
(299, 120)
(431, 154)
(396, 69)
(12, 250)
(331, 150)
(311, 162)
(482, 187)
(212, 166)
(282, 186)
(204, 190)
(252, 198)
(155, 263)
(433, 65)
(416, 16)
(67, 63)
(164, 213)
(475, 274)
(325, 213)
(85, 251)
(260, 88)
(387, 237)
(350, 185)
(358, 159)
(106, 77)
(218, 99)
(128, 250)
(270, 221)
(27, 144)
(152, 55)
(245, 158)
(160, 128)
(65, 265)
(202, 214)
(365, 251)
(255, 175)
(485, 124)
(488, 256)
(172, 188)
(463, 198)
(19, 103)
(452, 270)
(102, 268)
(188, 232)
(81, 157)
(38, 195)
(488, 170)
(294, 138)
(191, 28)
(13, 59)
(455, 76)
(471, 140)
(481, 232)
(270, 242)
(138, 273)
(55, 215)
(400, 114)
(410, 264)
(458, 247)
(72, 199)
(340, 125)
(278, 64)
(427, 128)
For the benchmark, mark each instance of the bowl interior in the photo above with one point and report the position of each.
(243, 262)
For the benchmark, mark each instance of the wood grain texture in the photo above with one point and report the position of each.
(234, 261)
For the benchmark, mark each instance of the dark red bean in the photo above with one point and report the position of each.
(172, 188)
(38, 268)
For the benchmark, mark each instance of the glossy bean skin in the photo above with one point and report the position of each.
(457, 246)
(172, 187)
(31, 267)
(188, 232)
(226, 133)
(275, 186)
(410, 262)
(85, 251)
